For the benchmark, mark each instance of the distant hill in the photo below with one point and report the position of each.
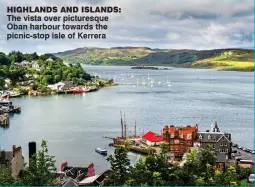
(227, 59)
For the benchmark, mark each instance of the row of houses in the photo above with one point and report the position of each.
(33, 64)
(181, 140)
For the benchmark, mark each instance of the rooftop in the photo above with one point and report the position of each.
(153, 137)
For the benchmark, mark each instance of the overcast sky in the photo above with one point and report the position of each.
(179, 24)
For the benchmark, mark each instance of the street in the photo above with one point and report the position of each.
(244, 155)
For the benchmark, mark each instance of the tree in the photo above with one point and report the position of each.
(2, 83)
(5, 177)
(40, 171)
(120, 167)
(163, 153)
(4, 60)
(192, 162)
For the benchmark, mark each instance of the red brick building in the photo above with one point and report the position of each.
(180, 139)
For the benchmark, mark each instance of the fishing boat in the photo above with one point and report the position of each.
(80, 90)
(101, 151)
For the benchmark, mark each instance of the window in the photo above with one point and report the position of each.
(181, 135)
(200, 137)
(221, 144)
(189, 136)
(172, 135)
(188, 142)
(171, 148)
(181, 142)
(213, 146)
(176, 141)
(225, 143)
(209, 137)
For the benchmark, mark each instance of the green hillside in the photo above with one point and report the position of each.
(227, 59)
(235, 60)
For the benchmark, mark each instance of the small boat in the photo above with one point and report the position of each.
(101, 151)
(80, 90)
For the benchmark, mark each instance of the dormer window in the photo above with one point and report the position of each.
(172, 135)
(200, 137)
(209, 137)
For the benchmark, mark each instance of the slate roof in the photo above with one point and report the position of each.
(212, 136)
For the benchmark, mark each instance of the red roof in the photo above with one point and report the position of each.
(153, 137)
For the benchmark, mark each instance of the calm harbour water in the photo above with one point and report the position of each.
(74, 125)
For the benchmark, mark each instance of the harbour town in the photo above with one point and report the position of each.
(87, 145)
(175, 143)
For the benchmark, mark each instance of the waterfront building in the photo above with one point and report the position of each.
(152, 139)
(219, 141)
(13, 160)
(180, 139)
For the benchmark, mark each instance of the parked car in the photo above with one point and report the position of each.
(240, 147)
(244, 149)
(234, 145)
(251, 178)
(252, 152)
(234, 151)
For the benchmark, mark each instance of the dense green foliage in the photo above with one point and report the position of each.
(49, 71)
(146, 56)
(153, 170)
(39, 172)
(121, 165)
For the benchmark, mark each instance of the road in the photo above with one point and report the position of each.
(244, 155)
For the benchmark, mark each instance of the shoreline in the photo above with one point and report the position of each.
(172, 66)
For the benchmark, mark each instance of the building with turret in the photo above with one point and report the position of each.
(217, 140)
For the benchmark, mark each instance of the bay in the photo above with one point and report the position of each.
(74, 125)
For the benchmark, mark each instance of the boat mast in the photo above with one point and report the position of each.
(121, 123)
(135, 128)
(125, 127)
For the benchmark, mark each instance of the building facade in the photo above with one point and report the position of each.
(152, 139)
(219, 141)
(180, 139)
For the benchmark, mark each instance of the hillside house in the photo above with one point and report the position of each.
(25, 63)
(8, 83)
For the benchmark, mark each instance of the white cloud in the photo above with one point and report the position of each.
(196, 24)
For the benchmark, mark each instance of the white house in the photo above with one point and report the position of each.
(35, 65)
(152, 139)
(7, 82)
(49, 60)
(25, 63)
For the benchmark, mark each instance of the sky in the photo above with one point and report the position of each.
(166, 24)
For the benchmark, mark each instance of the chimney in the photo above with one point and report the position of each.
(13, 150)
(31, 148)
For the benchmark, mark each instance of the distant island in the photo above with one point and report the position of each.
(149, 67)
(220, 59)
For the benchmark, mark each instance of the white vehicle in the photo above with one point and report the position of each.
(251, 178)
